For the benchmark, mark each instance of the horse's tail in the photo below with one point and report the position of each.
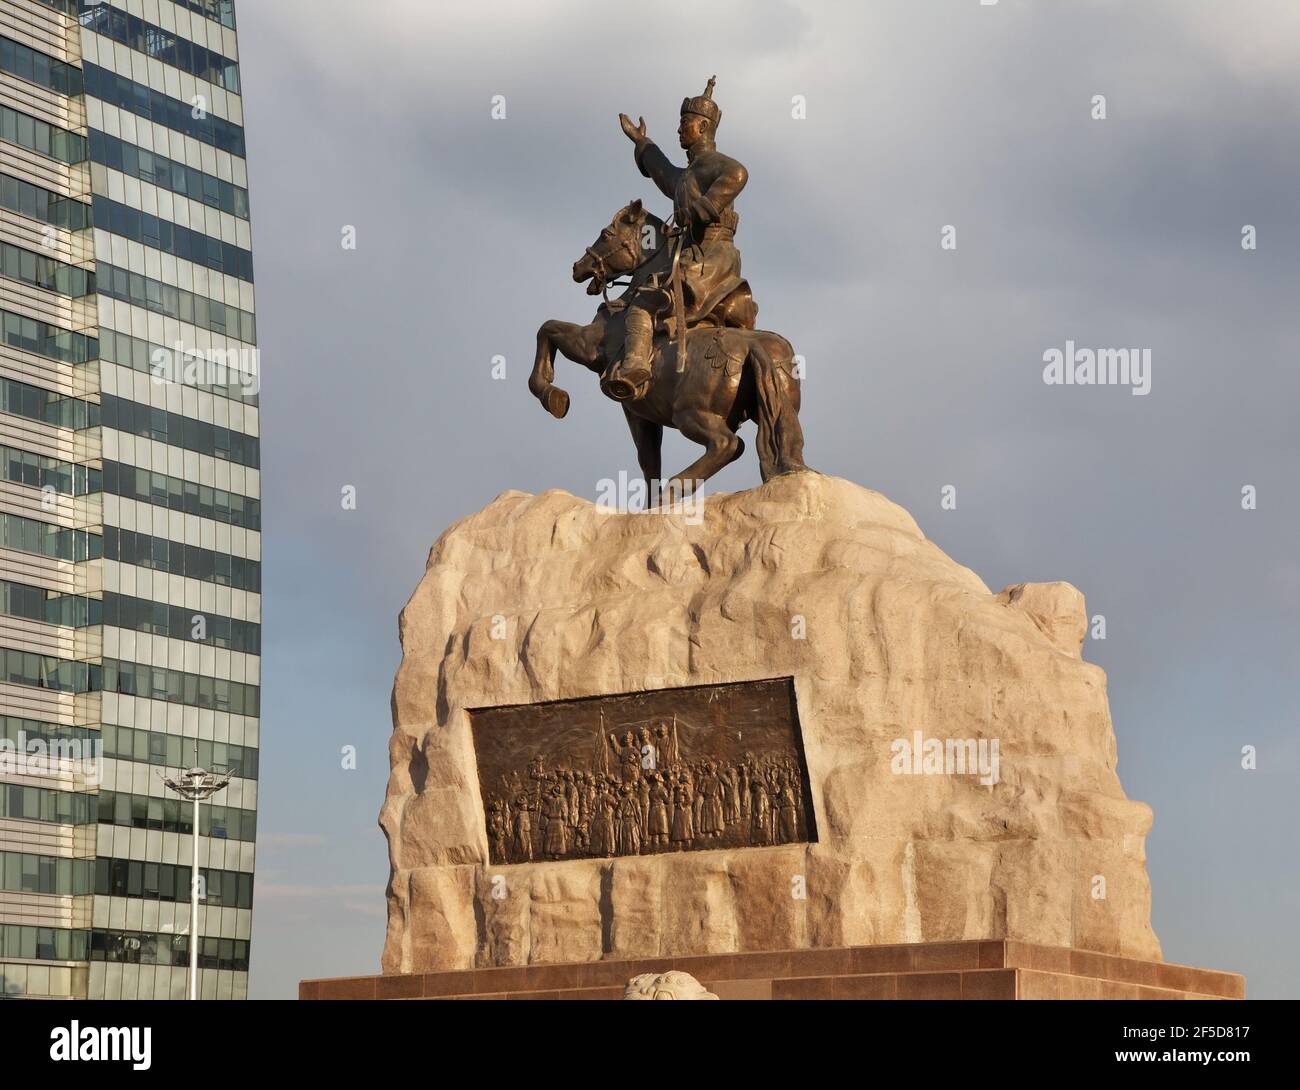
(776, 406)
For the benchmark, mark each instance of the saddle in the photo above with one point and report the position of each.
(737, 310)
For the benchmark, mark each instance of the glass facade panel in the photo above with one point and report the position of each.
(149, 166)
(160, 44)
(28, 64)
(144, 101)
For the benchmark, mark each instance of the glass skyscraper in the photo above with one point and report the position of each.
(130, 521)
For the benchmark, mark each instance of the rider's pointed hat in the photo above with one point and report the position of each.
(704, 104)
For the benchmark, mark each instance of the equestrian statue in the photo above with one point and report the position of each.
(678, 348)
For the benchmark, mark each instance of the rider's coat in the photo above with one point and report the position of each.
(702, 193)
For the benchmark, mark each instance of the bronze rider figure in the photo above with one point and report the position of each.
(703, 193)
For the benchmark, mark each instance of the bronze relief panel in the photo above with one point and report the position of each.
(687, 769)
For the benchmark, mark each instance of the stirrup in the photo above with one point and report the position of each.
(628, 386)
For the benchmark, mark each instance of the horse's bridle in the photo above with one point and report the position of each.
(601, 270)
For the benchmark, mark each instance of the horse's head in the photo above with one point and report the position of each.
(629, 240)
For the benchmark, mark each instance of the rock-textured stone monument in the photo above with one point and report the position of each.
(948, 771)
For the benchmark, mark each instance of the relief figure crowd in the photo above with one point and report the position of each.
(642, 796)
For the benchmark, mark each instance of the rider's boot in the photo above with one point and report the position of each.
(630, 378)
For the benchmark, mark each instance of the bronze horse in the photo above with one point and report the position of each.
(733, 372)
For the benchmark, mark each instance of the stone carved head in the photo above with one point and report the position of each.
(670, 985)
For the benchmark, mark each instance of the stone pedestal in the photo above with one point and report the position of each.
(900, 661)
(960, 970)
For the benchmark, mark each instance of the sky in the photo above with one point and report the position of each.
(925, 364)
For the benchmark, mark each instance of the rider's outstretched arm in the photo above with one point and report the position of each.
(650, 161)
(655, 165)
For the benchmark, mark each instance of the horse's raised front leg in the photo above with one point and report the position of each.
(573, 341)
(722, 447)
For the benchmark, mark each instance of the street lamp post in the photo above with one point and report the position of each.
(196, 784)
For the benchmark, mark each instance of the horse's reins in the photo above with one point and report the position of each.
(670, 231)
(679, 301)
